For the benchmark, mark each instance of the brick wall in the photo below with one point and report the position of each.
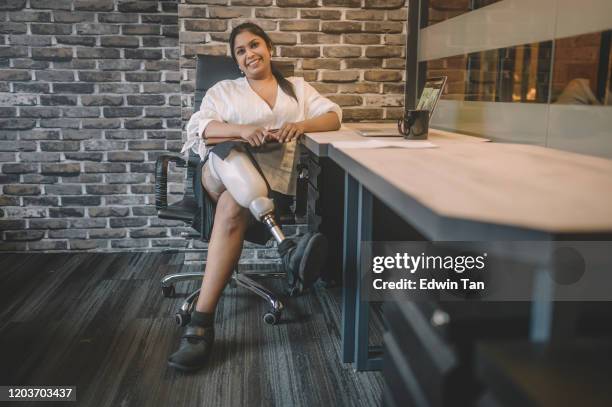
(352, 51)
(89, 97)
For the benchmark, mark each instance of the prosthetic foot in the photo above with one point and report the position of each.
(303, 260)
(302, 257)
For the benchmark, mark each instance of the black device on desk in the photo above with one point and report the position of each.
(431, 94)
(428, 101)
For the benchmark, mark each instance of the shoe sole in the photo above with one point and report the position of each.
(183, 368)
(187, 369)
(312, 260)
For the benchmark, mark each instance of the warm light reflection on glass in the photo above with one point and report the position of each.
(516, 74)
(531, 95)
(580, 73)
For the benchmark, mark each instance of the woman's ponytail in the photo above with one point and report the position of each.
(284, 84)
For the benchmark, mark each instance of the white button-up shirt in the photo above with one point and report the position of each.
(235, 102)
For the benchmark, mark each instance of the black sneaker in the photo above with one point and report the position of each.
(303, 259)
(195, 348)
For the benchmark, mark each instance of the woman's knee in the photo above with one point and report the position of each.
(211, 185)
(229, 213)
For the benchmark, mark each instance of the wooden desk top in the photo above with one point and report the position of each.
(497, 185)
(576, 373)
(318, 142)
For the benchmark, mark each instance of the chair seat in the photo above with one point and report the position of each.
(185, 209)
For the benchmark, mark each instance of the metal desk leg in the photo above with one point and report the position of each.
(349, 268)
(551, 322)
(541, 308)
(364, 358)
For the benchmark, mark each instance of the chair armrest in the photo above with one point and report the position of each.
(161, 178)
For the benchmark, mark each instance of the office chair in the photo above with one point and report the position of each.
(195, 207)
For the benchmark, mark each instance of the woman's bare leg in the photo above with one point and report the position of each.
(224, 250)
(211, 185)
(231, 221)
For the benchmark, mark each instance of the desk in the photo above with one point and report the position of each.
(325, 206)
(318, 143)
(465, 190)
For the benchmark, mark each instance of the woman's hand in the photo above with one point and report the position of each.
(289, 131)
(254, 135)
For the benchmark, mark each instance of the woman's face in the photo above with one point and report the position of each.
(252, 54)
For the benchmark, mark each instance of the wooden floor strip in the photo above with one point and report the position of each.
(98, 321)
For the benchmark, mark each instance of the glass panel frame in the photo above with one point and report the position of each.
(505, 93)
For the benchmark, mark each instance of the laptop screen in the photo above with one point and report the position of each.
(431, 94)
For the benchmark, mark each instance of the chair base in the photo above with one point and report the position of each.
(246, 280)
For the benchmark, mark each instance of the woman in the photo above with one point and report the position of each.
(269, 112)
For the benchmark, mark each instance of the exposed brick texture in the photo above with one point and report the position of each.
(80, 128)
(92, 91)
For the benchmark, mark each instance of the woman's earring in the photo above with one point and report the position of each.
(242, 73)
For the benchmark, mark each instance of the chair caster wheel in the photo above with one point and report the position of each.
(182, 319)
(272, 317)
(168, 291)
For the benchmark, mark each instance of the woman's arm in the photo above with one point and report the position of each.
(219, 129)
(217, 132)
(326, 122)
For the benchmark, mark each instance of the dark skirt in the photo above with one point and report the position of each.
(257, 232)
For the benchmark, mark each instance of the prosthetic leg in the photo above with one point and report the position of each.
(237, 174)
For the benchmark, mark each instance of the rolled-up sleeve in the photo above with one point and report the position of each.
(209, 111)
(315, 105)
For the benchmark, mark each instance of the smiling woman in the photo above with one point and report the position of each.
(251, 109)
(252, 124)
(253, 42)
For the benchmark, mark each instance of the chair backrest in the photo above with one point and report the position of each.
(211, 69)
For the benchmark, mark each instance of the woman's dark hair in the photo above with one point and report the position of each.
(254, 29)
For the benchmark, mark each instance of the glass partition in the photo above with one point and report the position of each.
(581, 73)
(518, 70)
(514, 74)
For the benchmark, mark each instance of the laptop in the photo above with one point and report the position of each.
(428, 101)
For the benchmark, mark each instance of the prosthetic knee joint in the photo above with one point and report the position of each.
(238, 175)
